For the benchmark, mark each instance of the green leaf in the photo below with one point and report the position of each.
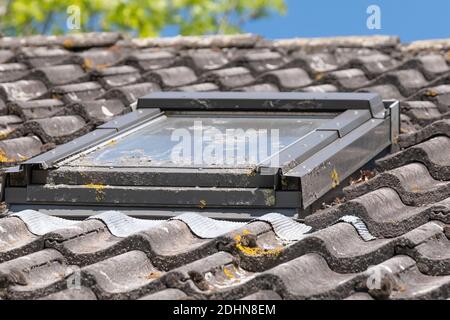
(142, 17)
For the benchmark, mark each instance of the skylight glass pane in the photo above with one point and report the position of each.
(213, 140)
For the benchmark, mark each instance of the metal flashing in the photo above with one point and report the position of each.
(359, 225)
(286, 228)
(206, 228)
(40, 224)
(121, 225)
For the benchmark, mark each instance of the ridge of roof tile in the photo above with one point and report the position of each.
(71, 41)
(424, 45)
(376, 41)
(212, 41)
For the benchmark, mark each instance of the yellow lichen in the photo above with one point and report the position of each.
(318, 76)
(230, 275)
(251, 172)
(404, 130)
(102, 66)
(269, 197)
(111, 142)
(395, 139)
(23, 158)
(88, 64)
(202, 204)
(95, 186)
(4, 134)
(68, 43)
(99, 190)
(256, 251)
(153, 275)
(334, 178)
(4, 158)
(431, 93)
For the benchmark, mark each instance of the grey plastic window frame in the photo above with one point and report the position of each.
(356, 109)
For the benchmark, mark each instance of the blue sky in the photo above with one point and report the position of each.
(409, 19)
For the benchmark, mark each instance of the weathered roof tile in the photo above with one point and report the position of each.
(12, 71)
(3, 108)
(22, 90)
(8, 125)
(199, 87)
(72, 41)
(203, 60)
(16, 150)
(153, 60)
(129, 94)
(440, 95)
(59, 129)
(37, 274)
(116, 76)
(36, 109)
(314, 63)
(99, 111)
(287, 79)
(6, 56)
(412, 182)
(407, 81)
(197, 42)
(260, 62)
(82, 293)
(373, 65)
(98, 58)
(423, 45)
(17, 240)
(166, 294)
(59, 75)
(438, 128)
(91, 39)
(345, 41)
(429, 153)
(349, 79)
(84, 91)
(386, 91)
(229, 78)
(39, 57)
(129, 275)
(421, 112)
(171, 77)
(261, 87)
(431, 65)
(320, 88)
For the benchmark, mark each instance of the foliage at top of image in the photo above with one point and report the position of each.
(142, 18)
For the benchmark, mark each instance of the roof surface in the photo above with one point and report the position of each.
(53, 89)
